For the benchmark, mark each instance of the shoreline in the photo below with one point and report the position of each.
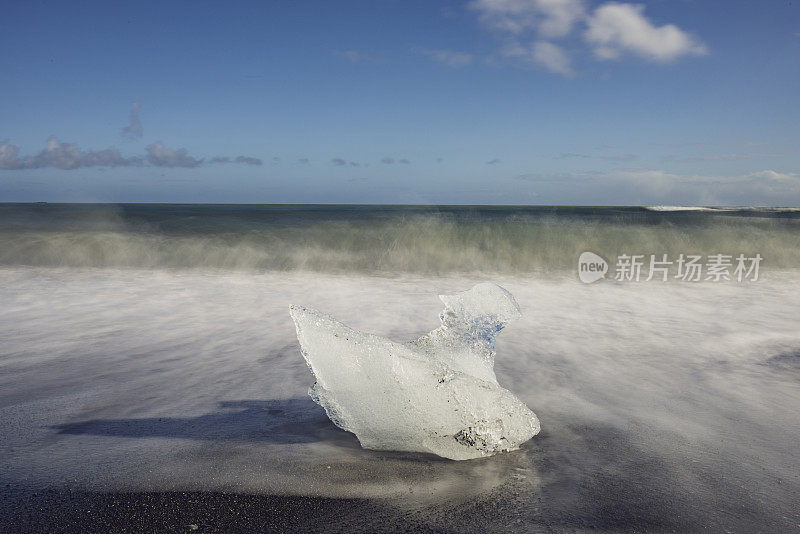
(130, 399)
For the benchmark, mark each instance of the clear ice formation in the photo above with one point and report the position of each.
(438, 394)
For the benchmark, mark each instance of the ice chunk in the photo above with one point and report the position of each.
(438, 394)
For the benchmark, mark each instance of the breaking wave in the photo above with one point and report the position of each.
(399, 239)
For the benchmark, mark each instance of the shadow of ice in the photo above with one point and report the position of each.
(296, 420)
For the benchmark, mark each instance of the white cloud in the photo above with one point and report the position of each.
(615, 29)
(9, 156)
(353, 56)
(249, 160)
(225, 159)
(774, 177)
(62, 156)
(652, 186)
(68, 156)
(614, 157)
(727, 157)
(160, 156)
(550, 18)
(339, 162)
(530, 27)
(134, 129)
(545, 54)
(553, 58)
(447, 57)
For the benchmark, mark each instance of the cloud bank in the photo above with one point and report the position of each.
(160, 156)
(339, 162)
(68, 156)
(652, 186)
(62, 156)
(389, 161)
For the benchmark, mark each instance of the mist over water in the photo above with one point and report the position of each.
(381, 239)
(151, 348)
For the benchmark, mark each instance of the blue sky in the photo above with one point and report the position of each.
(401, 101)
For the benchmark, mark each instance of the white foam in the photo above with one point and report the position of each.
(192, 381)
(679, 208)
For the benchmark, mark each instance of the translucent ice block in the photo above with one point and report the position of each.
(438, 394)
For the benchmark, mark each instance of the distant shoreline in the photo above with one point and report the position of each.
(403, 205)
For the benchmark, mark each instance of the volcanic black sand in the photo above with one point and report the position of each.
(139, 401)
(621, 489)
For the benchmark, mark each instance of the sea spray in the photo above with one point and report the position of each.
(381, 239)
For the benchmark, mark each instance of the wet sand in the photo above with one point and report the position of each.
(625, 490)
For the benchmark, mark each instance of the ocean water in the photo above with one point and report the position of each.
(383, 240)
(149, 347)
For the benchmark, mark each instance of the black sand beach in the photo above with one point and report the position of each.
(150, 398)
(624, 490)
